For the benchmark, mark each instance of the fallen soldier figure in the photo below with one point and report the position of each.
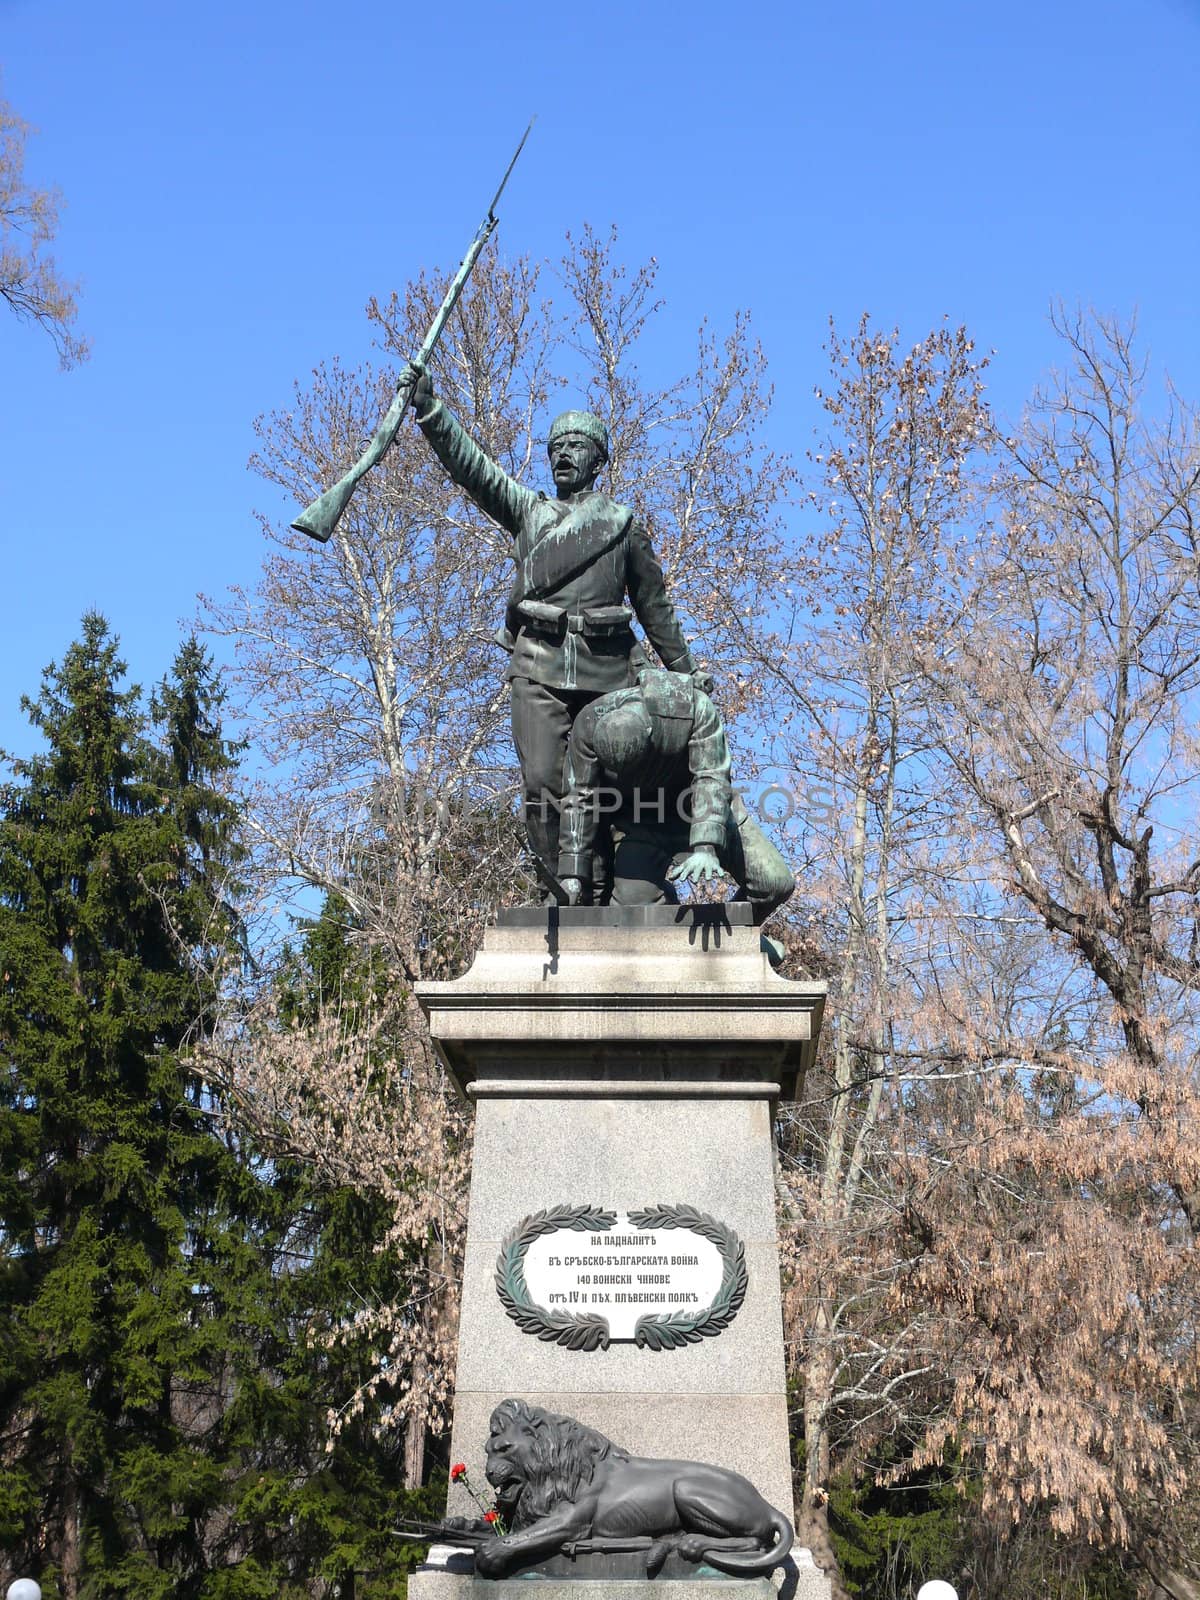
(652, 763)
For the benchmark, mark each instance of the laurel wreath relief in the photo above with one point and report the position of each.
(588, 1330)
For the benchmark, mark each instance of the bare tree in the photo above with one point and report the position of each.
(29, 277)
(849, 722)
(1066, 706)
(350, 1091)
(987, 1191)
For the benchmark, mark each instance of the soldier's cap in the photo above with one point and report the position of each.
(622, 733)
(584, 422)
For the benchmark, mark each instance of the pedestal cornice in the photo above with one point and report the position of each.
(667, 995)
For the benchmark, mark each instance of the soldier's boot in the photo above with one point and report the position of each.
(541, 829)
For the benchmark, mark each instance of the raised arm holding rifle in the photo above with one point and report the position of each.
(320, 519)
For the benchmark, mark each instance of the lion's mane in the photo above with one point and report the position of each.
(565, 1453)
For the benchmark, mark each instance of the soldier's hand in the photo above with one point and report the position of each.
(422, 389)
(702, 680)
(574, 890)
(701, 865)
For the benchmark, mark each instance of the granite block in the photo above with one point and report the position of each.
(536, 1153)
(801, 1579)
(448, 1575)
(426, 1584)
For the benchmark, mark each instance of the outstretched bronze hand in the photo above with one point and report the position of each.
(701, 865)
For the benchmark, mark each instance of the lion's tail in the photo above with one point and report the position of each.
(751, 1564)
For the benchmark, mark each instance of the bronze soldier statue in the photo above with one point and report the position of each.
(578, 556)
(652, 762)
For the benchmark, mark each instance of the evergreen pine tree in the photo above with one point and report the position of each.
(108, 852)
(162, 1412)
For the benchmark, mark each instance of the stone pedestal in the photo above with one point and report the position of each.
(800, 1581)
(622, 1059)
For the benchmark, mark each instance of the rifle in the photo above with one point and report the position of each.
(471, 1539)
(420, 1531)
(319, 519)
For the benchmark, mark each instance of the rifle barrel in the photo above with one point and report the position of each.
(321, 517)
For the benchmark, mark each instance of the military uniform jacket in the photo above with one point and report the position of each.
(576, 561)
(685, 781)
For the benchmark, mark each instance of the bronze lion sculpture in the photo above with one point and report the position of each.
(560, 1484)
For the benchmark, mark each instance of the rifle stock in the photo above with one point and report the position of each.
(319, 519)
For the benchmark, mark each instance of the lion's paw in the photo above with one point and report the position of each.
(489, 1559)
(693, 1546)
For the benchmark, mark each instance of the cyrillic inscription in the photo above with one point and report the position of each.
(659, 1277)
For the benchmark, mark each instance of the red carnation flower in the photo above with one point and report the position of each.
(457, 1471)
(491, 1516)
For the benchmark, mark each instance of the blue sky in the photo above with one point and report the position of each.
(239, 179)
